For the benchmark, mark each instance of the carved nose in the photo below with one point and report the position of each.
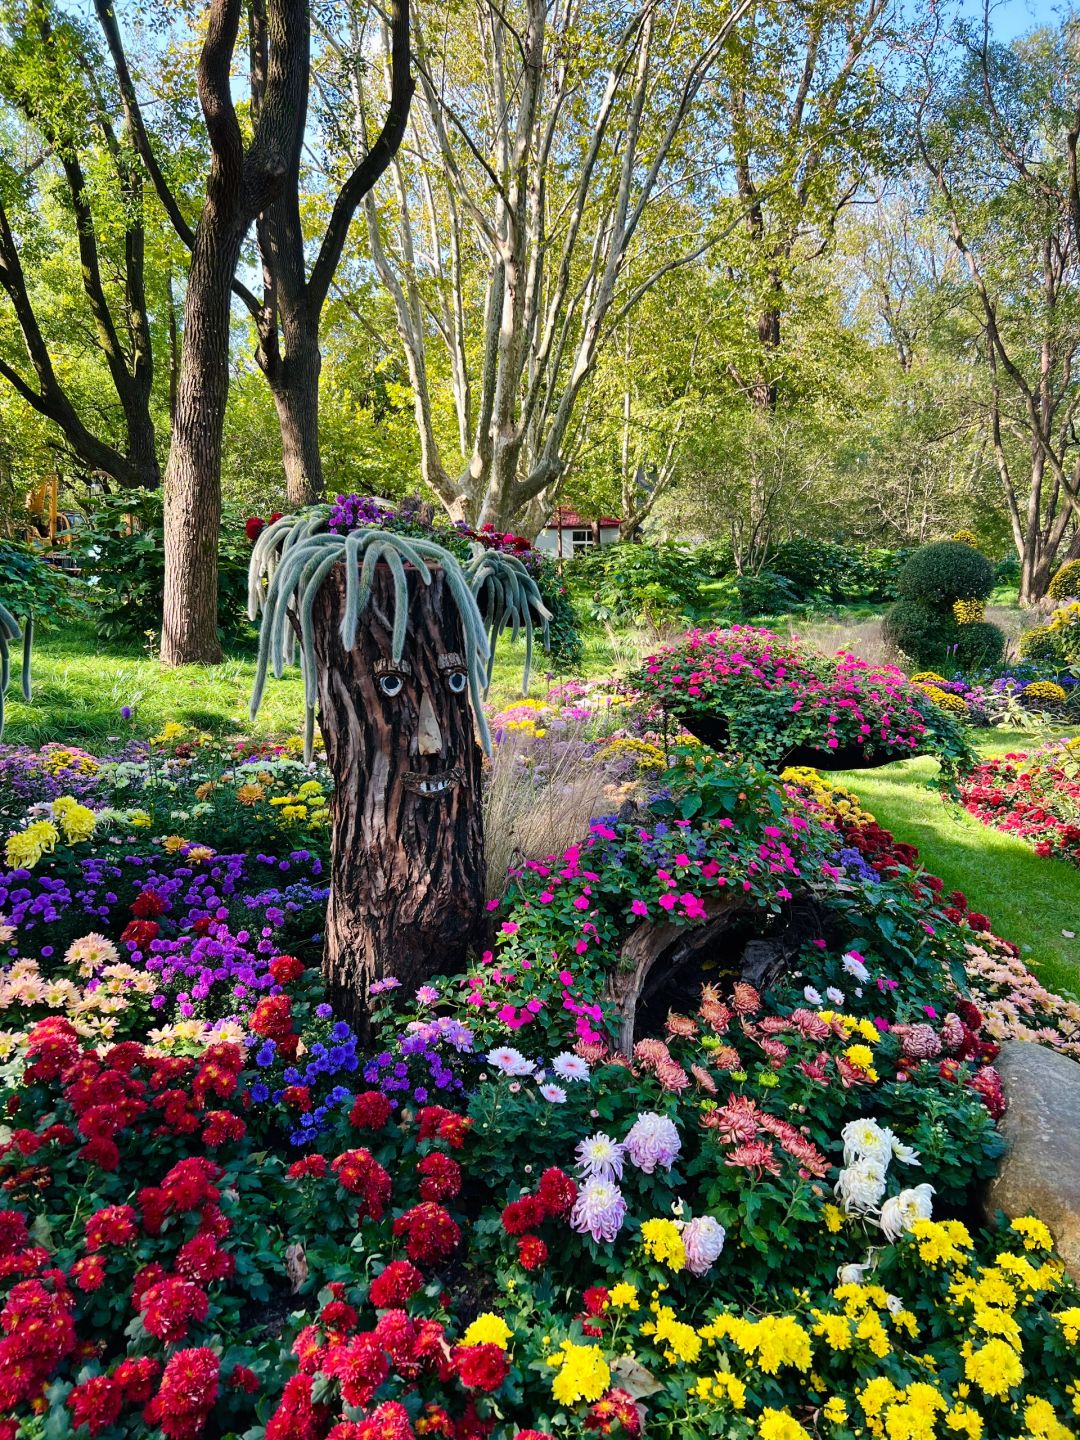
(429, 738)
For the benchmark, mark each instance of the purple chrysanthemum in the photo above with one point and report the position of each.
(599, 1210)
(652, 1141)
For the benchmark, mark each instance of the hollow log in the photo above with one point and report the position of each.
(407, 868)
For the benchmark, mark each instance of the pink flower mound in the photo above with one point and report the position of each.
(776, 694)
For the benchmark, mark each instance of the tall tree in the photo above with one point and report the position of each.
(81, 168)
(542, 141)
(997, 132)
(289, 316)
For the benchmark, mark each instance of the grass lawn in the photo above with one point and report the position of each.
(1031, 901)
(80, 685)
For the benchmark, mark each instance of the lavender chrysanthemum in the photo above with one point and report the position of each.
(599, 1210)
(652, 1141)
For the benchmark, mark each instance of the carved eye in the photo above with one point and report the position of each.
(390, 684)
(457, 681)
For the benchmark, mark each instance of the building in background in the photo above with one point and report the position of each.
(567, 533)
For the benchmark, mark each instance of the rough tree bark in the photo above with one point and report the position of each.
(407, 891)
(242, 182)
(288, 320)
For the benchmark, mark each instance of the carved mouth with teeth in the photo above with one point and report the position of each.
(433, 784)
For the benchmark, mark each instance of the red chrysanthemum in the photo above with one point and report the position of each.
(96, 1403)
(370, 1110)
(532, 1252)
(430, 1233)
(480, 1367)
(361, 1174)
(394, 1285)
(440, 1177)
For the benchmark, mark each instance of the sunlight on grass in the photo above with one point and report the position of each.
(1030, 900)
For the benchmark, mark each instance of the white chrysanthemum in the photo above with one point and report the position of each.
(900, 1212)
(510, 1061)
(569, 1066)
(554, 1094)
(652, 1140)
(904, 1153)
(600, 1157)
(851, 1274)
(811, 996)
(861, 1185)
(834, 995)
(853, 965)
(865, 1139)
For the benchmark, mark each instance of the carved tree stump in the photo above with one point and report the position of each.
(407, 870)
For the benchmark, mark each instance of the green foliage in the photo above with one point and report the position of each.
(1039, 643)
(948, 570)
(30, 586)
(123, 557)
(9, 631)
(767, 594)
(1066, 583)
(922, 634)
(978, 646)
(646, 584)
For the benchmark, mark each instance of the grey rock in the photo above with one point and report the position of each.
(1040, 1170)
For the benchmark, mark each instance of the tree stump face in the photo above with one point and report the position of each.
(407, 882)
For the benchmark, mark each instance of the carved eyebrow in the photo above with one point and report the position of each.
(451, 661)
(382, 666)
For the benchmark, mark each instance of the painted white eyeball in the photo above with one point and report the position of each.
(457, 681)
(390, 684)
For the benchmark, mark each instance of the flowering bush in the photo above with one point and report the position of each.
(776, 697)
(1033, 795)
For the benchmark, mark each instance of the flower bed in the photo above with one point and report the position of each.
(747, 690)
(1035, 796)
(491, 1222)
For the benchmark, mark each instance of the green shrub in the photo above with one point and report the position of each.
(922, 634)
(978, 645)
(1066, 583)
(28, 586)
(943, 572)
(767, 594)
(1039, 643)
(647, 584)
(123, 558)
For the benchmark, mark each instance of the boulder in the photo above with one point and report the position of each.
(1040, 1170)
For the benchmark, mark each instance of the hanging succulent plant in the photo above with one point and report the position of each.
(395, 639)
(9, 632)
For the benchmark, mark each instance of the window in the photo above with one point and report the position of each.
(581, 540)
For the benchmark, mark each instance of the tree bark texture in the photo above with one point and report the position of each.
(192, 477)
(408, 871)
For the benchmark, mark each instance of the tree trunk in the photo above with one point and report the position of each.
(189, 631)
(296, 397)
(408, 871)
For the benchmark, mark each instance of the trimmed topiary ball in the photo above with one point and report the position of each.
(1039, 643)
(976, 646)
(1066, 583)
(941, 573)
(922, 634)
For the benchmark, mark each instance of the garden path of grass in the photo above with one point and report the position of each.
(1030, 900)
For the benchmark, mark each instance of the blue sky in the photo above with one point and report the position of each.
(1015, 17)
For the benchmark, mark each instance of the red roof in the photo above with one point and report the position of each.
(563, 519)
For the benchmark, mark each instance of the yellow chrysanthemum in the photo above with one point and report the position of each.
(583, 1373)
(623, 1297)
(663, 1243)
(1036, 1235)
(779, 1425)
(835, 1411)
(995, 1367)
(24, 850)
(488, 1329)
